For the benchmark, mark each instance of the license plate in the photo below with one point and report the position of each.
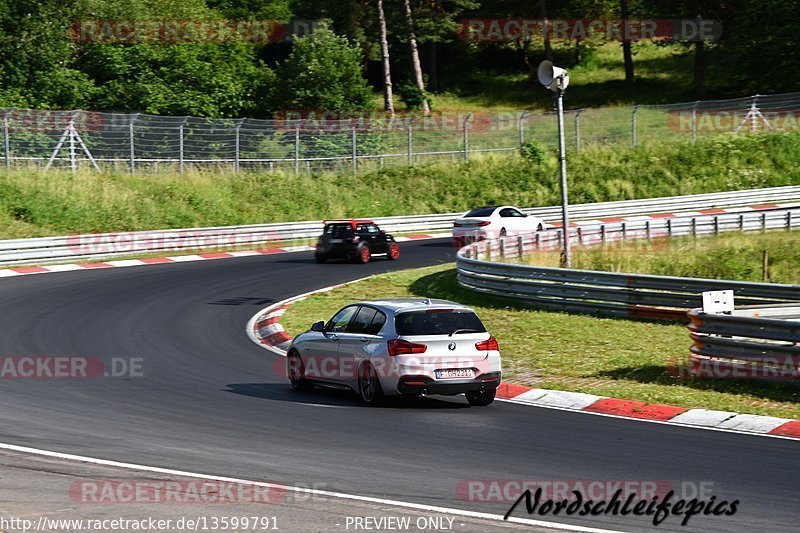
(455, 373)
(337, 241)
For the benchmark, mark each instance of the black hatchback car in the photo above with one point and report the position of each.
(356, 240)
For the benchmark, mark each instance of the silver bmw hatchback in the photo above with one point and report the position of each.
(402, 346)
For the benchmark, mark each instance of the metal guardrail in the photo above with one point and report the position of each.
(751, 342)
(96, 246)
(617, 294)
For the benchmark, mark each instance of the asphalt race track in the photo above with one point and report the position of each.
(210, 402)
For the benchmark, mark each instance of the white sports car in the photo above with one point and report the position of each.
(404, 346)
(492, 223)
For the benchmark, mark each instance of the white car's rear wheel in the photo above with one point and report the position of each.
(369, 386)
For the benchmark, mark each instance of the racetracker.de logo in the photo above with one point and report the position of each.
(599, 30)
(331, 121)
(174, 31)
(174, 492)
(69, 367)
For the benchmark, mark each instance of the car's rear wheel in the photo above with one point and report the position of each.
(369, 386)
(394, 251)
(320, 258)
(481, 398)
(363, 254)
(297, 372)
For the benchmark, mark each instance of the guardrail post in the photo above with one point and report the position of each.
(580, 235)
(6, 140)
(578, 130)
(694, 227)
(297, 149)
(520, 245)
(763, 222)
(633, 125)
(789, 220)
(502, 246)
(669, 227)
(522, 130)
(466, 136)
(716, 225)
(603, 233)
(647, 229)
(694, 120)
(132, 145)
(538, 242)
(624, 228)
(354, 147)
(741, 222)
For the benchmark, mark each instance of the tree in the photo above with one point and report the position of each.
(388, 100)
(323, 71)
(415, 63)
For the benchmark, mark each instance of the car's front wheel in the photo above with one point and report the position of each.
(297, 372)
(481, 398)
(369, 386)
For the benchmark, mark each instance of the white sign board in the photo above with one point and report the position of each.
(718, 301)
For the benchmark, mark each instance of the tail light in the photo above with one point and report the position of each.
(401, 347)
(487, 345)
(484, 223)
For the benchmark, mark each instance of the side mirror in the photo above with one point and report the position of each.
(318, 326)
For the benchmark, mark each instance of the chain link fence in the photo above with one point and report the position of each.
(303, 142)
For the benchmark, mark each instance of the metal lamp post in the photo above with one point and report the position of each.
(557, 79)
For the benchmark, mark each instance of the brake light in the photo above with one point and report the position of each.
(401, 347)
(487, 345)
(484, 223)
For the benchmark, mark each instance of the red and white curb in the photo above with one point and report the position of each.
(264, 329)
(26, 270)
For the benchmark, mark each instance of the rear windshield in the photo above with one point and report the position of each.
(339, 230)
(481, 212)
(435, 322)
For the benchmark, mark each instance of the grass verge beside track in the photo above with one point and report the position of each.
(609, 357)
(733, 255)
(34, 203)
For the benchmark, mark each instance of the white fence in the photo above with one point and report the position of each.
(303, 143)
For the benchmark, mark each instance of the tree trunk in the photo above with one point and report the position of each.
(626, 45)
(388, 99)
(412, 43)
(700, 68)
(548, 48)
(433, 67)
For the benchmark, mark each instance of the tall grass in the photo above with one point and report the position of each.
(738, 256)
(34, 203)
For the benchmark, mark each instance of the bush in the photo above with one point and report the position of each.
(535, 152)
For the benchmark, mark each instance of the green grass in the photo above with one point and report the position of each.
(604, 356)
(663, 75)
(738, 256)
(34, 203)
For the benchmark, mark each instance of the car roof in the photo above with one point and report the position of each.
(349, 221)
(396, 305)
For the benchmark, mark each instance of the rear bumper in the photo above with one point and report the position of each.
(416, 384)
